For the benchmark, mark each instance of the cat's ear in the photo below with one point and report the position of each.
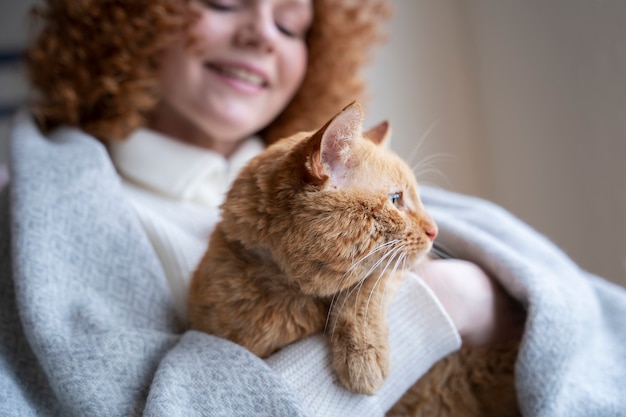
(380, 133)
(331, 154)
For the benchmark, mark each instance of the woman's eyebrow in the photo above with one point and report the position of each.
(300, 7)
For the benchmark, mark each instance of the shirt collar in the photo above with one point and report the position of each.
(178, 170)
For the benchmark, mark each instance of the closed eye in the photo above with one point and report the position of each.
(221, 5)
(288, 33)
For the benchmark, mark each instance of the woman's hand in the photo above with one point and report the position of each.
(481, 310)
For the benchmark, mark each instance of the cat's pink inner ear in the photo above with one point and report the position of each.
(380, 133)
(339, 136)
(317, 167)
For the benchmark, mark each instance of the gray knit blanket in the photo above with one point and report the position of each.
(87, 326)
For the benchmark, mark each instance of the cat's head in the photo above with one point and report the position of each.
(331, 206)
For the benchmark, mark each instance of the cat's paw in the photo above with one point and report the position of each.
(362, 369)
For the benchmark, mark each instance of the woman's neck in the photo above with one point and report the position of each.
(166, 120)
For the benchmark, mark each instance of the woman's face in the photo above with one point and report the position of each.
(248, 61)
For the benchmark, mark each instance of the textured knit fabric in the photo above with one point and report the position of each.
(176, 190)
(178, 170)
(572, 360)
(88, 326)
(87, 323)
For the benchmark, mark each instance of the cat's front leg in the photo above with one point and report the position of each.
(358, 334)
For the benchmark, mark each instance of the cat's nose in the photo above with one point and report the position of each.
(431, 230)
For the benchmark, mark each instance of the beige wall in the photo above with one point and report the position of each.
(530, 99)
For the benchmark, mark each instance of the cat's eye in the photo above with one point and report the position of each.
(395, 198)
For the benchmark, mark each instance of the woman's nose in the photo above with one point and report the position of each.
(257, 29)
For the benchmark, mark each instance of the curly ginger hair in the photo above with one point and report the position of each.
(95, 63)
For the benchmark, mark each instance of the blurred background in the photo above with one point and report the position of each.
(528, 103)
(522, 102)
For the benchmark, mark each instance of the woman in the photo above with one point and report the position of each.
(176, 90)
(92, 283)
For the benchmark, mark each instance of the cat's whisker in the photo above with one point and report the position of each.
(392, 251)
(432, 158)
(359, 284)
(341, 281)
(396, 251)
(429, 171)
(366, 256)
(357, 287)
(442, 251)
(371, 253)
(351, 270)
(401, 260)
(421, 140)
(427, 165)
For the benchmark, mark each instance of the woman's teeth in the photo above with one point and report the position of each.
(241, 74)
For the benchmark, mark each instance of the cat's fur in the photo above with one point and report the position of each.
(315, 234)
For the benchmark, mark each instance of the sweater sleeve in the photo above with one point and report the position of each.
(420, 333)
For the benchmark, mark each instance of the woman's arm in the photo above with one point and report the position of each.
(481, 310)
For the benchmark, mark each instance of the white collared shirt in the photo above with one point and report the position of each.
(176, 190)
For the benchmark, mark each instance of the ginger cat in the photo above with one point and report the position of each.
(315, 235)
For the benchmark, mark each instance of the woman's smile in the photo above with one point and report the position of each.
(243, 77)
(240, 73)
